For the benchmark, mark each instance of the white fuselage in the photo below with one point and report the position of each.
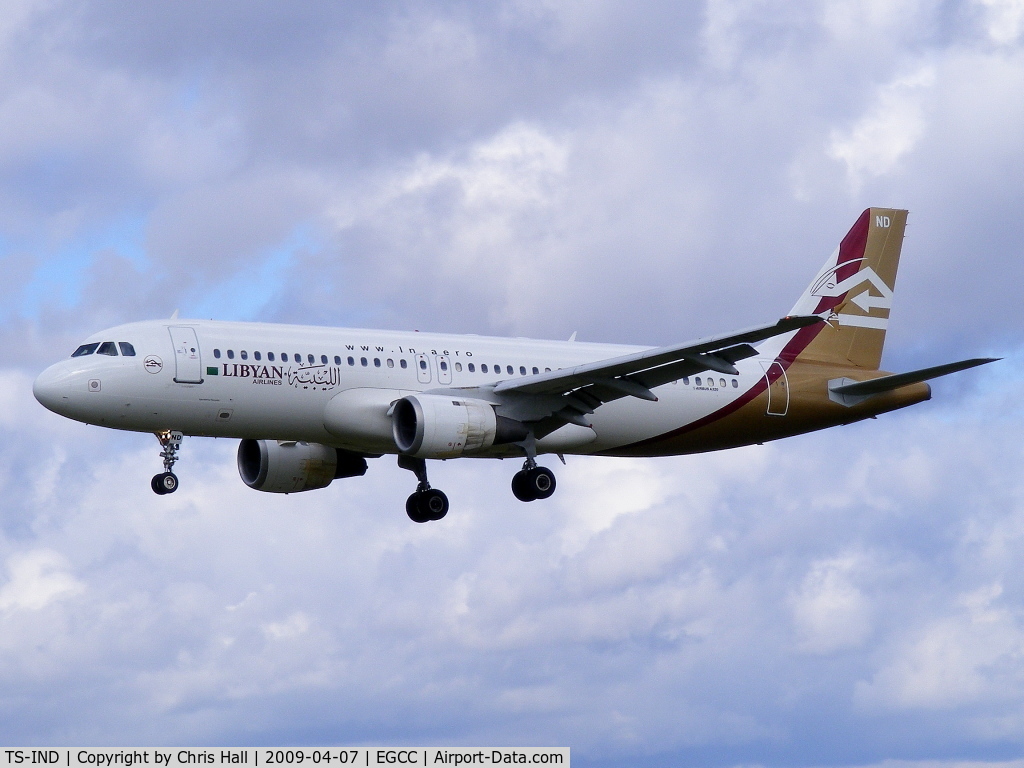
(334, 385)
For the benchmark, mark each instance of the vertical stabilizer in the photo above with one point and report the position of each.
(854, 291)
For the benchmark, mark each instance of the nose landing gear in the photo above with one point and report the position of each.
(426, 503)
(167, 481)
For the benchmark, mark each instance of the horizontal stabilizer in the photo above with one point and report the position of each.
(858, 390)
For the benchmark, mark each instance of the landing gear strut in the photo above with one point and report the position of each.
(532, 482)
(167, 481)
(426, 503)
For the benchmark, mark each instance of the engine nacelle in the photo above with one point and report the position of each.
(443, 427)
(289, 467)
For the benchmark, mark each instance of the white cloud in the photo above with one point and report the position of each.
(37, 579)
(1004, 20)
(971, 654)
(830, 613)
(889, 130)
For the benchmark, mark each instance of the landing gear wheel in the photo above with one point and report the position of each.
(427, 503)
(412, 509)
(521, 486)
(542, 482)
(165, 482)
(424, 506)
(434, 503)
(533, 484)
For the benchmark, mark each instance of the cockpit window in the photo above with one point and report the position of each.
(85, 349)
(107, 348)
(126, 349)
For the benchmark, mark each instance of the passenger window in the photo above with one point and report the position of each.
(483, 368)
(351, 361)
(337, 360)
(257, 355)
(402, 363)
(547, 370)
(126, 349)
(270, 356)
(323, 359)
(216, 353)
(244, 355)
(686, 380)
(423, 365)
(522, 370)
(284, 357)
(231, 354)
(509, 369)
(362, 361)
(735, 383)
(472, 368)
(721, 383)
(535, 370)
(298, 358)
(444, 366)
(85, 349)
(391, 363)
(697, 381)
(107, 348)
(376, 362)
(310, 359)
(458, 367)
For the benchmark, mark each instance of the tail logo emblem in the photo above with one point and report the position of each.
(827, 286)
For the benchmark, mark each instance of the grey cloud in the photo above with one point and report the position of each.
(684, 606)
(532, 168)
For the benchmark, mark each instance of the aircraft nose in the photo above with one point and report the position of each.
(50, 389)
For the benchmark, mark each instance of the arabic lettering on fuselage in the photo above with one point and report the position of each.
(318, 375)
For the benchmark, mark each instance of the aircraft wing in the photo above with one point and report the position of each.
(578, 391)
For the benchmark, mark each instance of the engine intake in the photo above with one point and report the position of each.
(443, 427)
(289, 467)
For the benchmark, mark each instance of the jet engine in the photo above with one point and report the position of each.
(288, 466)
(443, 427)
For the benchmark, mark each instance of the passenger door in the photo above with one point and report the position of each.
(188, 365)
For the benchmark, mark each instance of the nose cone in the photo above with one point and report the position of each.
(51, 389)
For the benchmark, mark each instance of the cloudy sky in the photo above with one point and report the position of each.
(639, 173)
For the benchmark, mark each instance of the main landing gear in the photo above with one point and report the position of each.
(427, 503)
(167, 481)
(532, 482)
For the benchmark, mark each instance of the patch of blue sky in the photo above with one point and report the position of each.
(60, 274)
(244, 295)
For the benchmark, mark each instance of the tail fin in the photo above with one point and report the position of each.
(854, 290)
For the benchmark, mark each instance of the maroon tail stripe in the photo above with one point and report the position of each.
(851, 254)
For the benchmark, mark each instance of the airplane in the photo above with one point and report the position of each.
(311, 404)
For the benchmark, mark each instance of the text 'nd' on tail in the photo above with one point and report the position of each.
(853, 292)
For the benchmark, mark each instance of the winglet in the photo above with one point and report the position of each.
(174, 315)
